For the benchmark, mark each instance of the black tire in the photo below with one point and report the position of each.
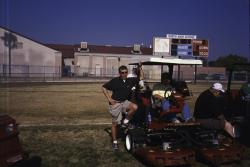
(129, 143)
(134, 139)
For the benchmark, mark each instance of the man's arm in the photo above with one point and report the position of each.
(107, 95)
(141, 72)
(158, 91)
(157, 96)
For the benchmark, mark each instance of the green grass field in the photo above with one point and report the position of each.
(62, 104)
(55, 104)
(65, 124)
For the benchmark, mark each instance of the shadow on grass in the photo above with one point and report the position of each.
(34, 161)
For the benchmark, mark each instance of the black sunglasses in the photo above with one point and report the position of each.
(123, 72)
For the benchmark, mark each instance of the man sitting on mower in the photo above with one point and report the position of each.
(209, 109)
(119, 102)
(163, 95)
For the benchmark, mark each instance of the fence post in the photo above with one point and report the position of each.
(4, 71)
(26, 72)
(60, 72)
(195, 74)
(44, 73)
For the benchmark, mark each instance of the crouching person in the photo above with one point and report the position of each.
(121, 88)
(209, 109)
(159, 93)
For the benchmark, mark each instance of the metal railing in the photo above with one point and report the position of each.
(47, 73)
(29, 72)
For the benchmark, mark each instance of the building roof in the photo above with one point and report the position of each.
(24, 36)
(68, 50)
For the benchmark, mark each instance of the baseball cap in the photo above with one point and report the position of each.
(218, 86)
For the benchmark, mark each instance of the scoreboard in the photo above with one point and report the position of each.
(200, 48)
(181, 47)
(187, 45)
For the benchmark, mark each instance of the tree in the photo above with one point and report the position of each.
(227, 61)
(10, 41)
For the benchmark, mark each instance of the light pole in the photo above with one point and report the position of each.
(10, 41)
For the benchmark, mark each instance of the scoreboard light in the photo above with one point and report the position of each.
(181, 41)
(181, 52)
(203, 47)
(181, 47)
(184, 47)
(184, 53)
(200, 47)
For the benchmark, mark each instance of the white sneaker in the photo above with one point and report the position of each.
(125, 121)
(176, 121)
(233, 132)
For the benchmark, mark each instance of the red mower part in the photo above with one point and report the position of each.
(222, 155)
(10, 147)
(158, 157)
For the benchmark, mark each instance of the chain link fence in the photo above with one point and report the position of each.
(53, 73)
(29, 73)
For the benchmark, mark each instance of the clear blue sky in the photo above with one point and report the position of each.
(225, 23)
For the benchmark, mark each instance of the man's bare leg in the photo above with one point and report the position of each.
(114, 131)
(131, 110)
(229, 128)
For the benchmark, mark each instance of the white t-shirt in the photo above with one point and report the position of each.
(131, 75)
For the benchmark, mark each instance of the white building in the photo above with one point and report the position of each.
(103, 60)
(23, 57)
